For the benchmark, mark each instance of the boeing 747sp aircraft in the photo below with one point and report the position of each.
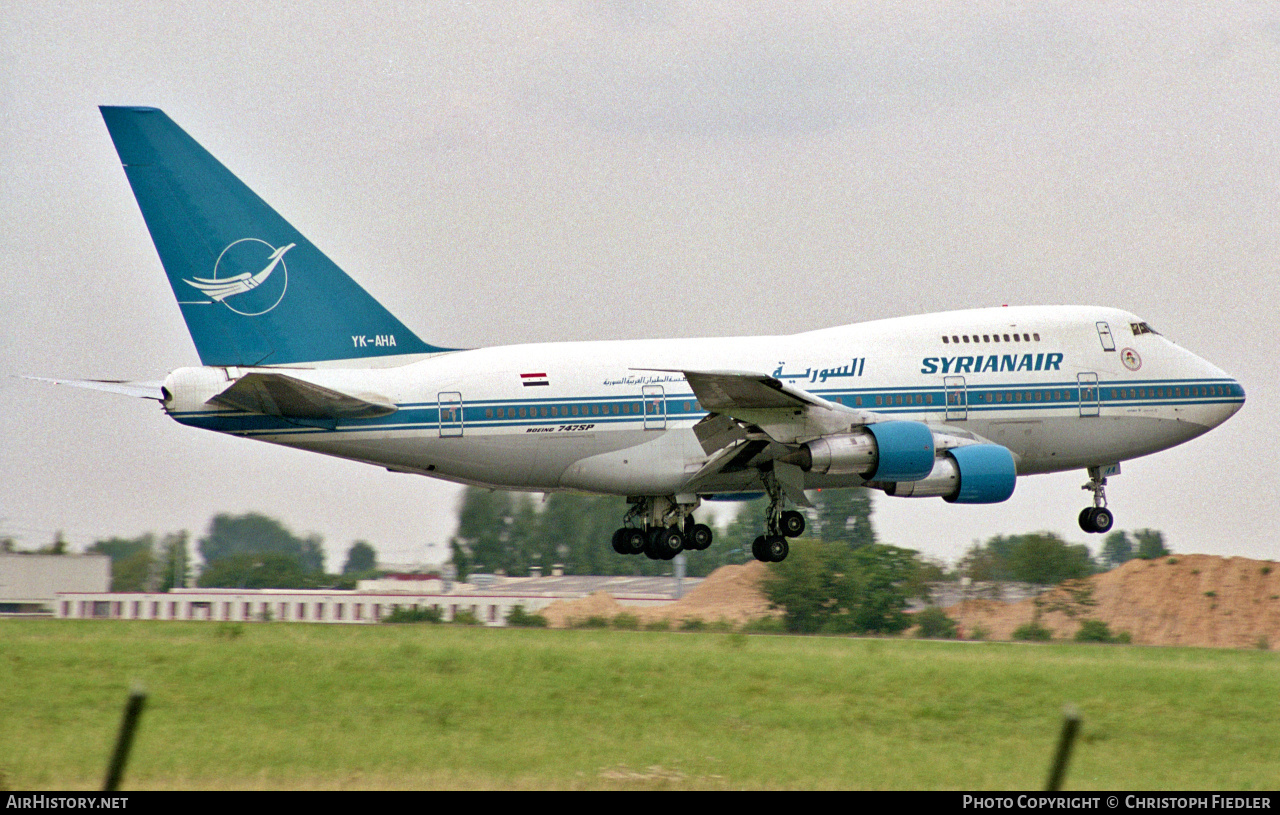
(956, 405)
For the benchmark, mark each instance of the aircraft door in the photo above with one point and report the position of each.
(655, 408)
(1104, 336)
(450, 403)
(1090, 398)
(957, 398)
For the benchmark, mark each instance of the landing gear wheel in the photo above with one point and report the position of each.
(1096, 520)
(633, 542)
(1086, 519)
(776, 548)
(664, 543)
(1102, 520)
(791, 524)
(619, 544)
(757, 549)
(699, 538)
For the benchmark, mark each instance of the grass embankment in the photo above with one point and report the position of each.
(315, 706)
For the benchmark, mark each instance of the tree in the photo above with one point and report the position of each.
(1038, 557)
(132, 561)
(844, 516)
(1150, 544)
(361, 559)
(58, 547)
(1117, 549)
(174, 567)
(257, 570)
(254, 533)
(838, 589)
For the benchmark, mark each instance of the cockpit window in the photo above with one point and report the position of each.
(1142, 328)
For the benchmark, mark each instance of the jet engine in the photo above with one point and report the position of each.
(973, 474)
(885, 451)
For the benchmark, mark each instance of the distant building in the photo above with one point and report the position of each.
(489, 603)
(30, 584)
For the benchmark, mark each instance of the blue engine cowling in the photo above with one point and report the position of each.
(973, 474)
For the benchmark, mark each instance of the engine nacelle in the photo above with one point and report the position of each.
(973, 474)
(886, 451)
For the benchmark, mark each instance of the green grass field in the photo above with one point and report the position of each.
(259, 706)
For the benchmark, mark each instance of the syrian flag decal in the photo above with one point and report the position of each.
(533, 380)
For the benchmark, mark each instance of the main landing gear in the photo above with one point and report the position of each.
(1097, 518)
(661, 528)
(772, 546)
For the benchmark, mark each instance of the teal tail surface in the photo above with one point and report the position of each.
(252, 289)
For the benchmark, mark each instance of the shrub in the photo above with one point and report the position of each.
(1032, 632)
(408, 614)
(979, 633)
(693, 624)
(658, 625)
(519, 618)
(1096, 631)
(467, 617)
(626, 622)
(594, 621)
(933, 623)
(765, 625)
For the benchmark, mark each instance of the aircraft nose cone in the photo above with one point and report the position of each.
(1227, 402)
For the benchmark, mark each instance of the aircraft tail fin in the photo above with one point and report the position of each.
(252, 289)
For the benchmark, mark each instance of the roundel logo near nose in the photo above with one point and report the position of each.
(249, 277)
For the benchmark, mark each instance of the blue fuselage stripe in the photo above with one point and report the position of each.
(1064, 397)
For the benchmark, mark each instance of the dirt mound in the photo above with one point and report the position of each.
(1197, 600)
(730, 593)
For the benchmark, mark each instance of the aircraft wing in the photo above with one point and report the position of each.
(746, 404)
(756, 420)
(753, 417)
(291, 398)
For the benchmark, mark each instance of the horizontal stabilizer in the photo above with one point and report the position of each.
(291, 398)
(142, 390)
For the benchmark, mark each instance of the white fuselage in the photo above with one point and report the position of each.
(1061, 387)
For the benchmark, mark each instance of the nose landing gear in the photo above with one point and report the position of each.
(1097, 518)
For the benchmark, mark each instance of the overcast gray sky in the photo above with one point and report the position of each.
(525, 172)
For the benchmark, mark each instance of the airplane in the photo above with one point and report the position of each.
(956, 405)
